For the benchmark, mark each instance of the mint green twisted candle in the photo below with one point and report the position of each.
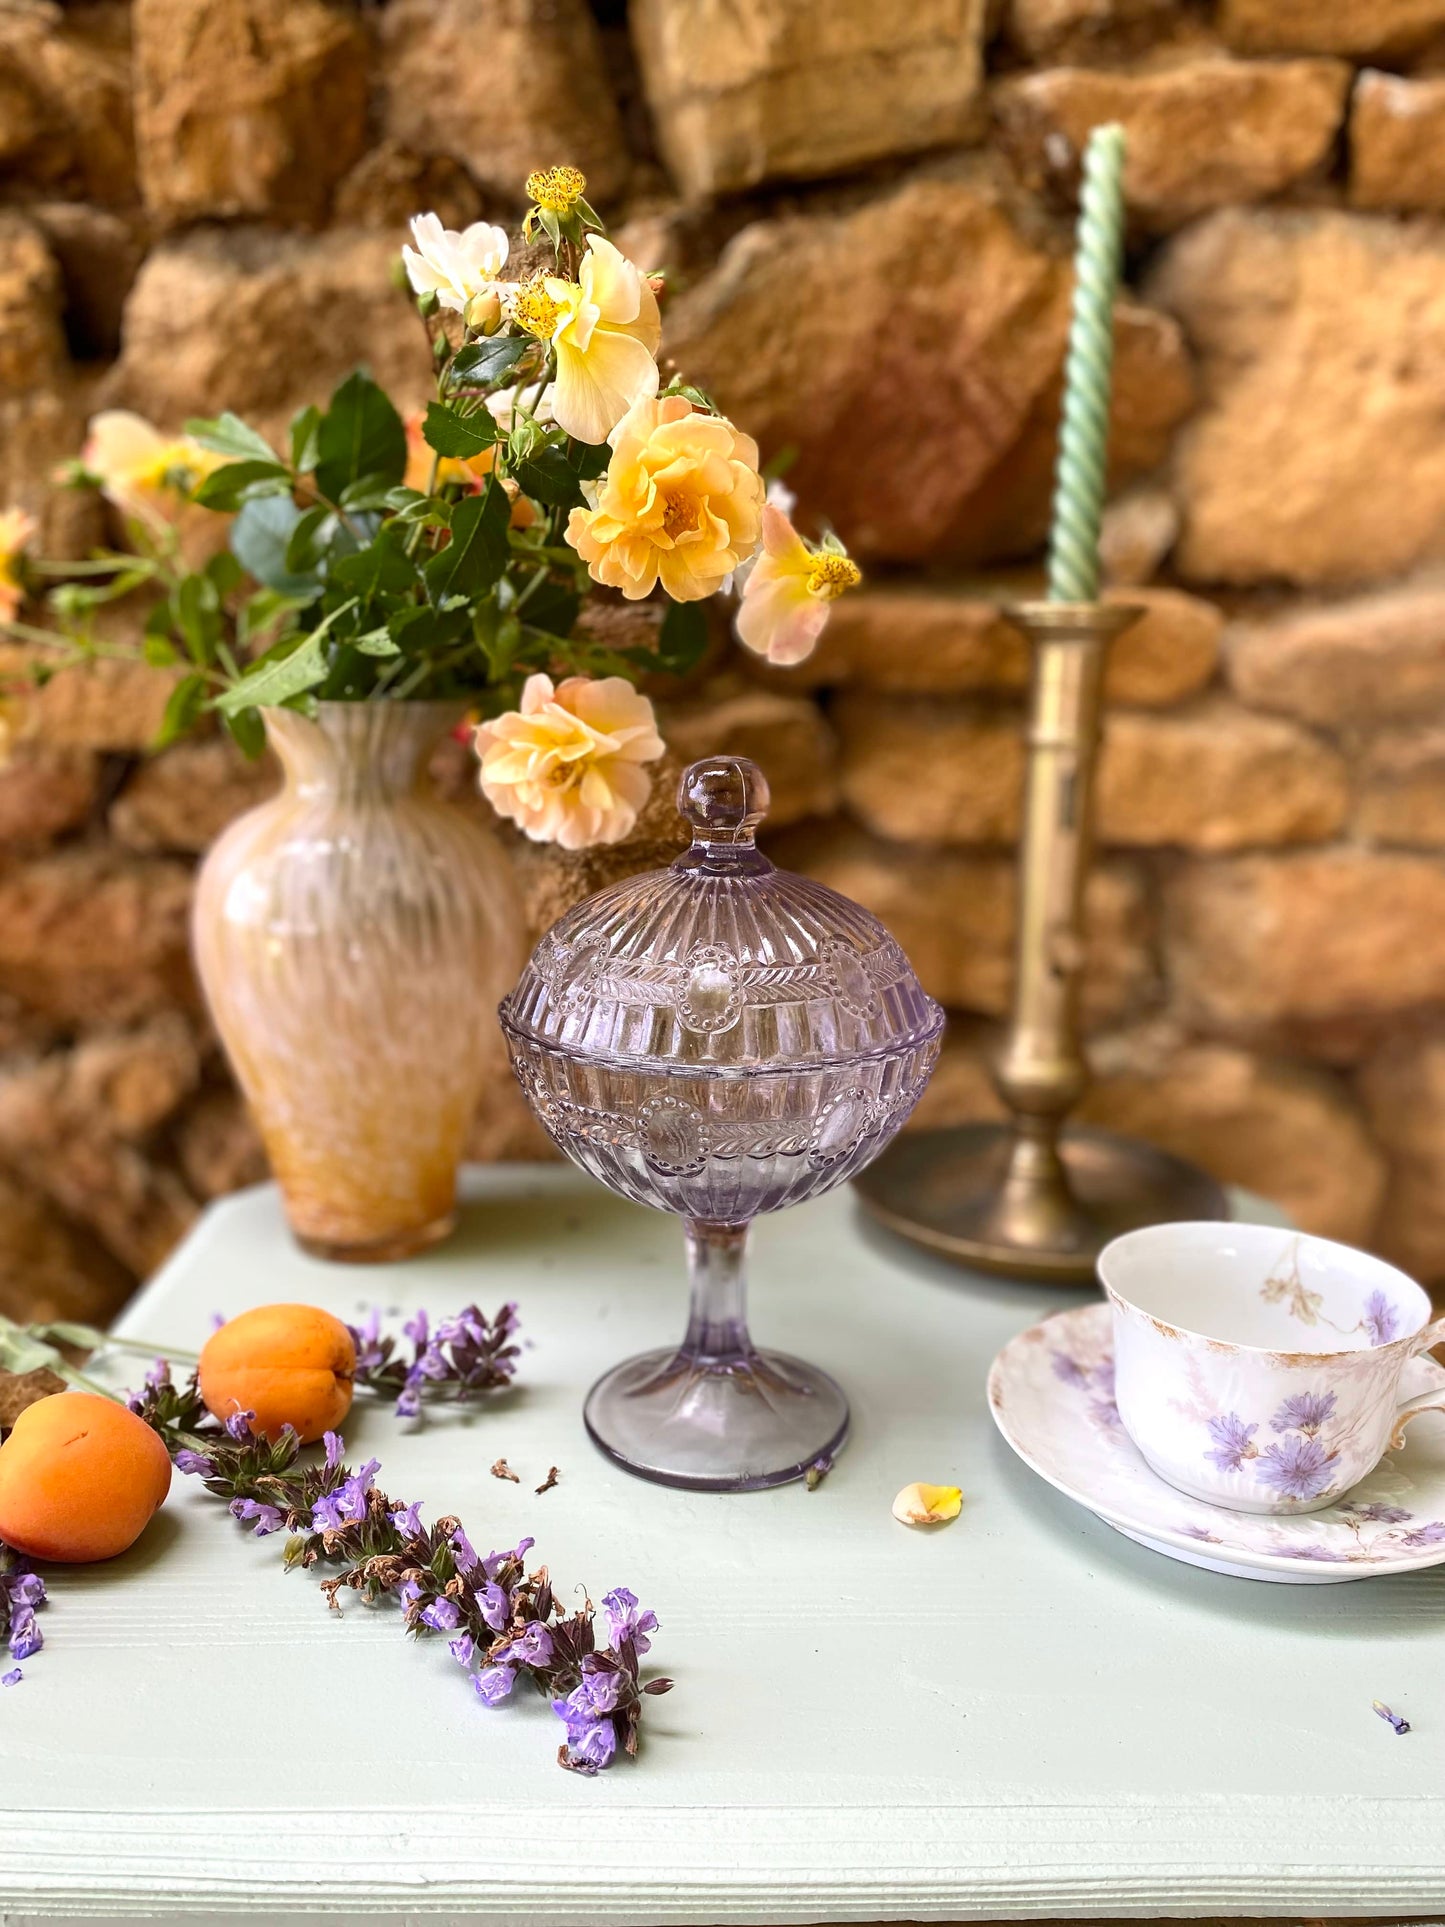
(1084, 431)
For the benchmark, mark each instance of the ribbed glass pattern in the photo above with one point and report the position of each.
(352, 934)
(722, 1037)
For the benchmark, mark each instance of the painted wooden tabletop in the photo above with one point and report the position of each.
(1022, 1714)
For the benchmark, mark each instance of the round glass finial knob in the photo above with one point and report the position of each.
(724, 798)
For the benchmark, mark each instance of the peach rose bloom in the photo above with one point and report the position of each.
(16, 529)
(789, 592)
(566, 766)
(146, 474)
(681, 503)
(604, 329)
(450, 468)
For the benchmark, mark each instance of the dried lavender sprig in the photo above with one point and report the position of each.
(458, 1358)
(503, 1623)
(22, 1593)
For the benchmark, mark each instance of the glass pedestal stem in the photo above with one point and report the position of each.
(717, 1324)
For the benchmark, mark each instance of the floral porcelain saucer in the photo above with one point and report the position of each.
(1051, 1392)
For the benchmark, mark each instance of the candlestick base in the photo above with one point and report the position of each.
(946, 1191)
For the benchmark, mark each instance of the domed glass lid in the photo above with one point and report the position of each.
(721, 961)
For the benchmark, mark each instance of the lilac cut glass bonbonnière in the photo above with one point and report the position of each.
(720, 1039)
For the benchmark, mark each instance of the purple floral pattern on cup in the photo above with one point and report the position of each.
(1051, 1399)
(1304, 1412)
(1232, 1444)
(1297, 1467)
(1381, 1321)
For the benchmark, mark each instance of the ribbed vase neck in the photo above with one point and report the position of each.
(361, 750)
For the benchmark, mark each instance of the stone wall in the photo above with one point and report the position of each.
(865, 212)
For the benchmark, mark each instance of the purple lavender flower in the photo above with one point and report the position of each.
(494, 1604)
(408, 1592)
(417, 1329)
(1426, 1535)
(195, 1463)
(442, 1616)
(587, 1714)
(12, 1678)
(593, 1748)
(27, 1589)
(532, 1647)
(464, 1552)
(26, 1638)
(1378, 1513)
(463, 1649)
(1231, 1442)
(494, 1561)
(1400, 1724)
(407, 1520)
(408, 1404)
(626, 1622)
(346, 1506)
(370, 1353)
(1069, 1371)
(238, 1427)
(268, 1518)
(493, 1684)
(335, 1449)
(1381, 1321)
(1296, 1467)
(1304, 1412)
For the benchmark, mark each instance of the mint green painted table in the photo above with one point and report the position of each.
(1023, 1714)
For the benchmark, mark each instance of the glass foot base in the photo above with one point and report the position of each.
(384, 1250)
(734, 1425)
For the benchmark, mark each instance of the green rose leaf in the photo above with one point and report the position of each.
(683, 640)
(360, 434)
(382, 567)
(183, 710)
(376, 642)
(309, 541)
(555, 474)
(260, 537)
(226, 488)
(304, 451)
(278, 678)
(247, 731)
(481, 362)
(473, 561)
(228, 435)
(459, 436)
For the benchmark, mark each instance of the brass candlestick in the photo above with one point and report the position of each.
(1029, 1199)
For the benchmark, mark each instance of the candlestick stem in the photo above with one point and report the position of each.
(1080, 475)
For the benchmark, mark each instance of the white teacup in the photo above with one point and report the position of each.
(1260, 1369)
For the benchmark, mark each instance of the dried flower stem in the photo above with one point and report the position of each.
(504, 1624)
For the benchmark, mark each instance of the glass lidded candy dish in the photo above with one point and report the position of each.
(720, 1039)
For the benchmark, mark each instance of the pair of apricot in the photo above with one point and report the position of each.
(81, 1476)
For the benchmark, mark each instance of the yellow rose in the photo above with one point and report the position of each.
(566, 766)
(789, 591)
(16, 529)
(604, 329)
(145, 473)
(681, 503)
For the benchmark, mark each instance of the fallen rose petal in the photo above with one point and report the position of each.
(927, 1505)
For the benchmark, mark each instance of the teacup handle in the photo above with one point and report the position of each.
(1433, 1401)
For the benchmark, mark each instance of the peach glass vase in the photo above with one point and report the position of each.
(354, 934)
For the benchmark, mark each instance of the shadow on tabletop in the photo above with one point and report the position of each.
(1406, 1605)
(534, 1217)
(1020, 1294)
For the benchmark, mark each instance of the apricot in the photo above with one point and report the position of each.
(80, 1479)
(289, 1364)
